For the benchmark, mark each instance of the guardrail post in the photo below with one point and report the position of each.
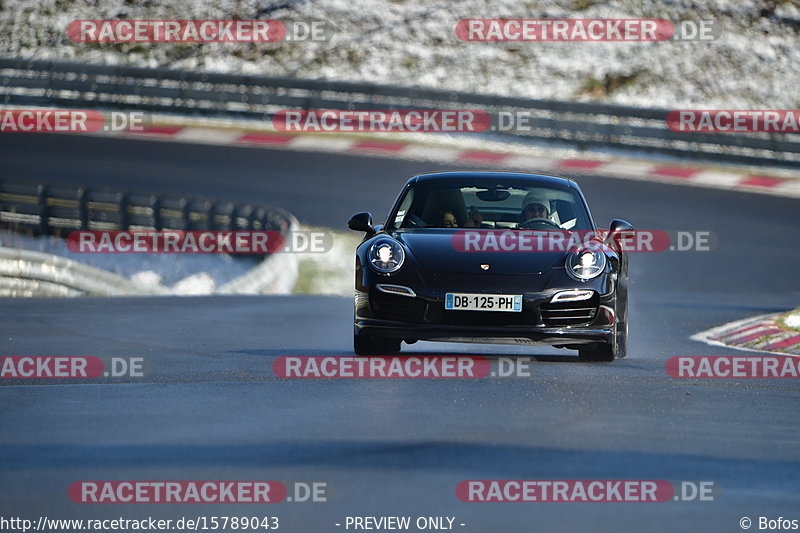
(212, 216)
(44, 218)
(83, 208)
(251, 215)
(186, 210)
(155, 207)
(124, 201)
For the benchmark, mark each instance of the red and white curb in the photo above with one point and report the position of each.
(757, 334)
(639, 170)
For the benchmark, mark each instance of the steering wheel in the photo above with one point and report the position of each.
(531, 223)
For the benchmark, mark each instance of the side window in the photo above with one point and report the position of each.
(564, 214)
(402, 211)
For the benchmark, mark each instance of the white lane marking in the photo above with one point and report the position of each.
(738, 325)
(736, 335)
(627, 170)
(714, 178)
(789, 187)
(430, 153)
(315, 143)
(204, 135)
(531, 163)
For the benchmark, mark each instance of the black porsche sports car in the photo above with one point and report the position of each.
(492, 257)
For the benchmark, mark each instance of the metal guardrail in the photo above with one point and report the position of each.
(57, 210)
(27, 273)
(584, 125)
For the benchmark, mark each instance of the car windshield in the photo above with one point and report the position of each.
(493, 205)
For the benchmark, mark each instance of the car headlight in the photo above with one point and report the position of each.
(386, 256)
(584, 265)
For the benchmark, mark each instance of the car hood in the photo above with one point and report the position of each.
(435, 250)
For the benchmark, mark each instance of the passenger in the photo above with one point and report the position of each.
(449, 220)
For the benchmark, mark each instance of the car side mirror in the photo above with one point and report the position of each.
(619, 225)
(618, 231)
(362, 222)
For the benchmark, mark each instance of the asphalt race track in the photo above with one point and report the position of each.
(209, 406)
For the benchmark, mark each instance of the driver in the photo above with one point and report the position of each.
(534, 207)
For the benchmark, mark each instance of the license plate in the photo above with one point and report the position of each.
(455, 301)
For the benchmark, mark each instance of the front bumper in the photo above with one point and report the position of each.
(566, 337)
(423, 317)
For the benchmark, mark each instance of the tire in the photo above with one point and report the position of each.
(621, 340)
(605, 353)
(596, 353)
(364, 345)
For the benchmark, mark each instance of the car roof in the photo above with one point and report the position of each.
(517, 176)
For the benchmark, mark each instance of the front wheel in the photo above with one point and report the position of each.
(598, 353)
(605, 353)
(365, 345)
